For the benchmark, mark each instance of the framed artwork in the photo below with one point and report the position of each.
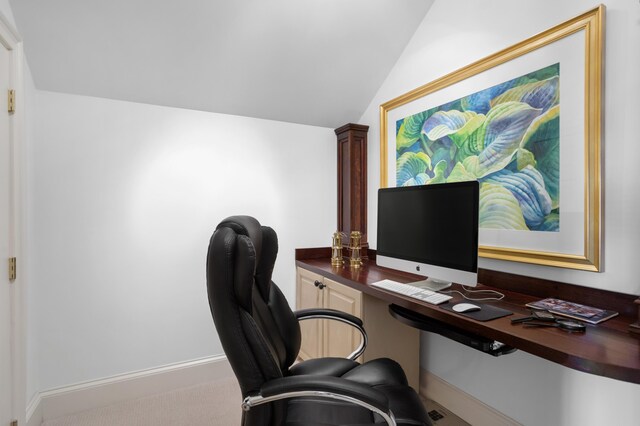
(526, 123)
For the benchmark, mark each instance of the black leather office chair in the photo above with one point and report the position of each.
(261, 338)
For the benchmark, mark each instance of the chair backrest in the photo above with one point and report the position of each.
(258, 331)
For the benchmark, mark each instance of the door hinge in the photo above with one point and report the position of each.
(12, 269)
(11, 101)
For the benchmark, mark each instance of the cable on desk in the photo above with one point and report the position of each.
(498, 295)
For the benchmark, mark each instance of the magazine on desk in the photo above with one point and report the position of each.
(573, 310)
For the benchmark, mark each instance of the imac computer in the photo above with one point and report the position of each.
(430, 230)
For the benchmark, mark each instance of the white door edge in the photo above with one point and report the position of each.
(11, 41)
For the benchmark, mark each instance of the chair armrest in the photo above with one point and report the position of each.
(327, 313)
(323, 387)
(333, 314)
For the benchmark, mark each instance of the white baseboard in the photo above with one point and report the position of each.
(72, 399)
(463, 405)
(34, 411)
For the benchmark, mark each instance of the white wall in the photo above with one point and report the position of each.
(456, 33)
(125, 197)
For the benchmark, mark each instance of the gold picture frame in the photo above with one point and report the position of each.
(591, 24)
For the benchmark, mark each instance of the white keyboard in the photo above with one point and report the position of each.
(414, 292)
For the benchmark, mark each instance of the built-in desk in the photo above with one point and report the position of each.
(607, 349)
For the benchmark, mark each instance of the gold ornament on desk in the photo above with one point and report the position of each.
(336, 249)
(356, 257)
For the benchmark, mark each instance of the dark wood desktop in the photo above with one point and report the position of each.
(607, 349)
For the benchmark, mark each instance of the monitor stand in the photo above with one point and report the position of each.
(432, 284)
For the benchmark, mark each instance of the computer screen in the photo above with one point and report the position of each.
(430, 230)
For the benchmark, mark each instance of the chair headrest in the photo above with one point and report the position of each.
(265, 246)
(245, 225)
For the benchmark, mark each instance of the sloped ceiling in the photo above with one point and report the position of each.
(316, 62)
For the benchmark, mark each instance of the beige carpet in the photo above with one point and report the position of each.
(212, 404)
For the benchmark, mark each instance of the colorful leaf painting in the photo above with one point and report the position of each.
(507, 137)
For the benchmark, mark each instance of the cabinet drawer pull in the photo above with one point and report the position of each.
(319, 284)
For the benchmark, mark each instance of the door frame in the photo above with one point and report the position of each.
(11, 40)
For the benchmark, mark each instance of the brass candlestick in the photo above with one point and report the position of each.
(356, 258)
(336, 249)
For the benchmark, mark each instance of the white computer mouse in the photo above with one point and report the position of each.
(465, 307)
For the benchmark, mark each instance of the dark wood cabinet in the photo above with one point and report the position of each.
(352, 179)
